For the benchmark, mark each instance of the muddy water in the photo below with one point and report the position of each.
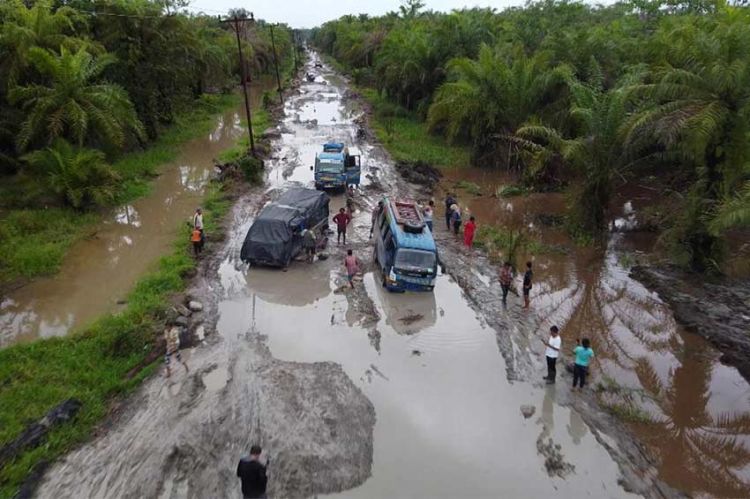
(361, 393)
(101, 270)
(691, 411)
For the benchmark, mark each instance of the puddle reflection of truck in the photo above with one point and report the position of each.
(335, 168)
(404, 249)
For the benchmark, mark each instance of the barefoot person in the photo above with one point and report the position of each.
(583, 353)
(352, 267)
(252, 473)
(450, 200)
(172, 338)
(506, 279)
(375, 214)
(553, 344)
(428, 213)
(196, 237)
(309, 241)
(456, 218)
(341, 220)
(527, 277)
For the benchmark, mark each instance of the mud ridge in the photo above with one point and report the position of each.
(717, 311)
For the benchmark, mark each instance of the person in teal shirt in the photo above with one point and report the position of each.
(583, 353)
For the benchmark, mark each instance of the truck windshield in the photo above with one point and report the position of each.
(330, 166)
(412, 259)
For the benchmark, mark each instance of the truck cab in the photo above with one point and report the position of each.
(335, 168)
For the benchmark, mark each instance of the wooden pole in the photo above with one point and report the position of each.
(235, 22)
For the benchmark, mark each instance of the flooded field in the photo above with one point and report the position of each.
(99, 271)
(692, 411)
(363, 393)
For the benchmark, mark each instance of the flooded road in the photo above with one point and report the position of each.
(100, 271)
(351, 393)
(690, 410)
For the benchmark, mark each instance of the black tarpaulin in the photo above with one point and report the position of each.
(275, 236)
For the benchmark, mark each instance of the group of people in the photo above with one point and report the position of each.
(583, 354)
(453, 220)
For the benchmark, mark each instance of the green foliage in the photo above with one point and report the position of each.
(470, 187)
(91, 365)
(507, 243)
(508, 191)
(81, 177)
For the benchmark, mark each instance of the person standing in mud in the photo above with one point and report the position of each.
(527, 277)
(506, 280)
(583, 353)
(198, 224)
(252, 474)
(197, 239)
(341, 220)
(375, 214)
(456, 218)
(352, 267)
(427, 213)
(309, 242)
(172, 339)
(469, 230)
(449, 202)
(553, 344)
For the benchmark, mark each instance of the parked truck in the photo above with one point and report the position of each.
(335, 168)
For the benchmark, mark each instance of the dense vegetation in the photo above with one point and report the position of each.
(84, 85)
(585, 96)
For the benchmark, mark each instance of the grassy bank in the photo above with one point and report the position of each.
(90, 365)
(407, 138)
(35, 240)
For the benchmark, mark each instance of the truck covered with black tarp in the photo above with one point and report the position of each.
(275, 238)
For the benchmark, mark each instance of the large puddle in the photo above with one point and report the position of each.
(448, 421)
(692, 411)
(100, 271)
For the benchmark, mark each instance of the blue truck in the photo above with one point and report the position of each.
(405, 250)
(335, 168)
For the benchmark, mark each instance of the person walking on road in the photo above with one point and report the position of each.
(449, 202)
(375, 214)
(352, 267)
(506, 279)
(172, 339)
(583, 353)
(197, 239)
(527, 277)
(469, 230)
(552, 353)
(428, 212)
(456, 218)
(252, 473)
(309, 241)
(341, 220)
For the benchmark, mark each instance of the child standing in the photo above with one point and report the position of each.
(352, 267)
(583, 353)
(469, 229)
(196, 237)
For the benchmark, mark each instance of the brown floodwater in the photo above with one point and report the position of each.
(691, 411)
(100, 271)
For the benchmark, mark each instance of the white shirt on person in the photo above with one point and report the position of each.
(198, 220)
(556, 342)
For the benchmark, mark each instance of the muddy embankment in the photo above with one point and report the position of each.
(717, 311)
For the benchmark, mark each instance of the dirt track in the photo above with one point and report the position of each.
(303, 366)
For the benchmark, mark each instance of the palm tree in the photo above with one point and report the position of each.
(597, 150)
(81, 177)
(698, 106)
(72, 103)
(38, 26)
(490, 97)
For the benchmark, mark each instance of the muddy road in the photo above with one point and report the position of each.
(352, 393)
(124, 245)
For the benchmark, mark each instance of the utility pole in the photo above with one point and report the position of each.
(294, 50)
(276, 65)
(237, 25)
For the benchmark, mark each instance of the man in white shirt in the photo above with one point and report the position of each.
(552, 352)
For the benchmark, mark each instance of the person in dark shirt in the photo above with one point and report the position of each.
(253, 475)
(341, 220)
(450, 200)
(527, 284)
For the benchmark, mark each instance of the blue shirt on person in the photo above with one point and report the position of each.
(583, 355)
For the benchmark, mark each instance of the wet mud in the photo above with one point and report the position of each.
(356, 393)
(123, 247)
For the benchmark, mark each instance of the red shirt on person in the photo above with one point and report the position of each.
(342, 220)
(469, 230)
